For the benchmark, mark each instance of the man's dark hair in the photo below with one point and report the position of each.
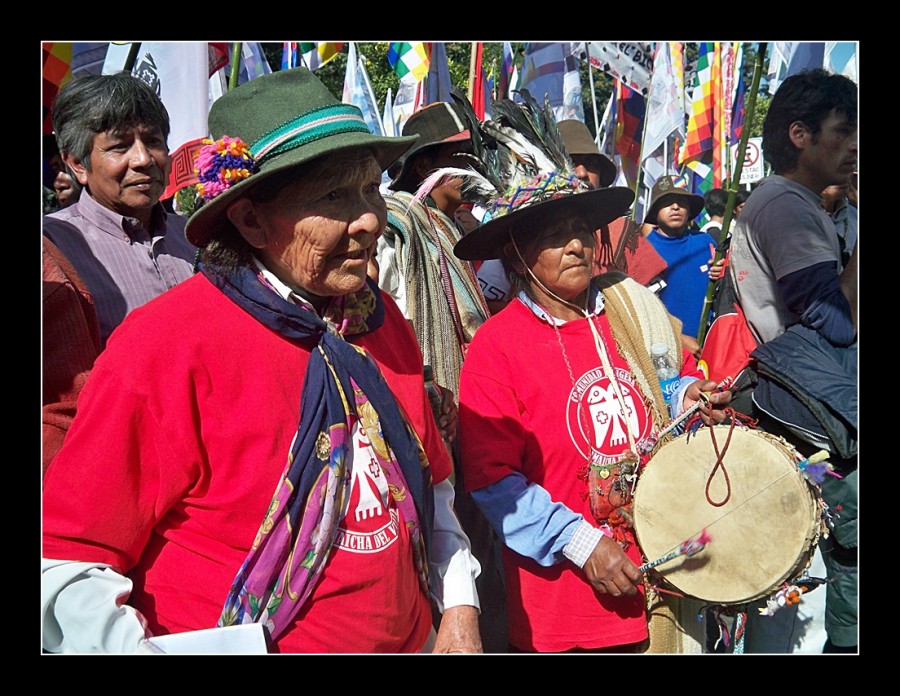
(808, 96)
(715, 201)
(92, 104)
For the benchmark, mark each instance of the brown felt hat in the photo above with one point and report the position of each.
(436, 124)
(665, 187)
(578, 141)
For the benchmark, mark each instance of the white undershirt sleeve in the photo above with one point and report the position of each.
(83, 610)
(452, 566)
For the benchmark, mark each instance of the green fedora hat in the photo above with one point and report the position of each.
(269, 124)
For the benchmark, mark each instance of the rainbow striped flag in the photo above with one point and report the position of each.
(698, 138)
(409, 58)
(705, 138)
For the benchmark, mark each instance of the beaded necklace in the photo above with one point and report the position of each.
(619, 491)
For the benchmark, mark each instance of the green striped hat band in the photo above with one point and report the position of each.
(309, 127)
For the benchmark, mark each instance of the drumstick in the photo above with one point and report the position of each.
(689, 547)
(704, 396)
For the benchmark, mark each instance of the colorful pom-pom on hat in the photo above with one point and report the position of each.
(272, 123)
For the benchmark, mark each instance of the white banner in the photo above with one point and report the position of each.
(630, 62)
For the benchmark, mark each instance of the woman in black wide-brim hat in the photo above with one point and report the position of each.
(559, 402)
(256, 446)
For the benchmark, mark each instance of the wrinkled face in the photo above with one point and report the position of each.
(563, 260)
(673, 214)
(320, 230)
(129, 170)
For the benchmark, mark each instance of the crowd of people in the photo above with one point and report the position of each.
(238, 445)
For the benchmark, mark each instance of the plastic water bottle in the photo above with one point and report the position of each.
(434, 394)
(665, 370)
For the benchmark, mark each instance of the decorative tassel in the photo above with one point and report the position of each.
(816, 467)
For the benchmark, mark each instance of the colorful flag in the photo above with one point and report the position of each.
(705, 149)
(740, 93)
(629, 62)
(488, 80)
(409, 58)
(253, 62)
(506, 72)
(543, 68)
(438, 82)
(477, 90)
(57, 70)
(358, 91)
(550, 70)
(631, 107)
(179, 73)
(290, 55)
(310, 54)
(698, 138)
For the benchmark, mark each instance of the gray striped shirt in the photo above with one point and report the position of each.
(119, 261)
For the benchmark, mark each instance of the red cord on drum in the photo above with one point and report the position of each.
(720, 457)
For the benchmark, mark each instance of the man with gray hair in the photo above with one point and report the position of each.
(111, 131)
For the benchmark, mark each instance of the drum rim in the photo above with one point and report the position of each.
(806, 547)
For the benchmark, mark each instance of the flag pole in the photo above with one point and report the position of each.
(733, 184)
(236, 49)
(132, 56)
(587, 49)
(472, 73)
(606, 115)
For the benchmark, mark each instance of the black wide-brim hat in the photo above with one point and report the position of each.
(665, 186)
(285, 119)
(596, 206)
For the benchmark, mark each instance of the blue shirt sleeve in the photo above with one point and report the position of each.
(815, 294)
(526, 519)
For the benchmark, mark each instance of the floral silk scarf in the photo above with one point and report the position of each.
(342, 385)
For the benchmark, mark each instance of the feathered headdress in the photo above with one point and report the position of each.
(521, 143)
(519, 161)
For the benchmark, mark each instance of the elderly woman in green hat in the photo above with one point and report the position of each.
(255, 448)
(560, 408)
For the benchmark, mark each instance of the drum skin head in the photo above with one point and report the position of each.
(763, 535)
